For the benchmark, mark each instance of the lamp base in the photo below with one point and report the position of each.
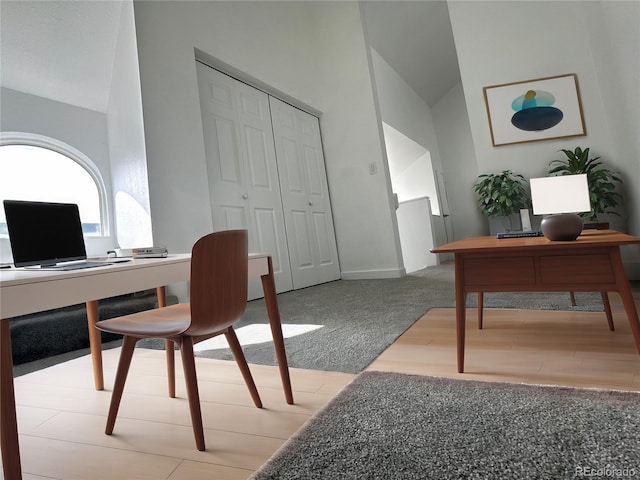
(562, 226)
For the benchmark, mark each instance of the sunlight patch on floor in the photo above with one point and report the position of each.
(255, 333)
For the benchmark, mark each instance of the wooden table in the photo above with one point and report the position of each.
(591, 263)
(28, 291)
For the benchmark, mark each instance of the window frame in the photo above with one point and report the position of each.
(58, 146)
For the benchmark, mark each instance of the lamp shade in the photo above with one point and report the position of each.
(560, 199)
(561, 194)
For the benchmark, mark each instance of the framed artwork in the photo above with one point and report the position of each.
(534, 110)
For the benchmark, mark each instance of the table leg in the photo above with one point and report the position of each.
(168, 348)
(624, 289)
(8, 423)
(480, 309)
(95, 343)
(607, 310)
(461, 306)
(271, 301)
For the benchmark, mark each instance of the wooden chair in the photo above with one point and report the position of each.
(218, 298)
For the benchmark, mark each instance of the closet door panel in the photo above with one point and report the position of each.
(294, 183)
(322, 227)
(225, 143)
(234, 218)
(242, 169)
(269, 239)
(219, 92)
(258, 158)
(303, 244)
(225, 174)
(262, 183)
(305, 196)
(314, 170)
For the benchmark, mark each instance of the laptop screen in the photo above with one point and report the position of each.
(44, 233)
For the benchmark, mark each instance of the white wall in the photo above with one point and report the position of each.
(316, 53)
(406, 112)
(416, 234)
(417, 181)
(366, 230)
(614, 29)
(128, 159)
(313, 52)
(562, 42)
(85, 130)
(403, 109)
(459, 164)
(511, 53)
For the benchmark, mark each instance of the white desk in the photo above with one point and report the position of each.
(28, 291)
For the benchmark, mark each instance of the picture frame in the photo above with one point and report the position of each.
(534, 110)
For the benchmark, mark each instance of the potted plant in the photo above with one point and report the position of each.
(502, 195)
(602, 181)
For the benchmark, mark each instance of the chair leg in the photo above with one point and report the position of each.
(126, 354)
(572, 297)
(171, 367)
(240, 359)
(191, 380)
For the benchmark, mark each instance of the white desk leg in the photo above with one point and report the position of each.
(8, 423)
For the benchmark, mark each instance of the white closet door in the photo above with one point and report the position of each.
(305, 196)
(242, 169)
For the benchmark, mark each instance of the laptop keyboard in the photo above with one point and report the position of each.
(77, 266)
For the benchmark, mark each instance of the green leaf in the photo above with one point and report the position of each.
(602, 181)
(501, 194)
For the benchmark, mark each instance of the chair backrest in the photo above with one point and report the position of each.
(218, 297)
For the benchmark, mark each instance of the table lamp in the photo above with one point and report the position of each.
(560, 199)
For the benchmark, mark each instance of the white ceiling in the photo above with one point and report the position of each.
(62, 50)
(416, 40)
(65, 50)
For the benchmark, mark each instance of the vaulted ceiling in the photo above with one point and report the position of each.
(65, 50)
(62, 50)
(416, 40)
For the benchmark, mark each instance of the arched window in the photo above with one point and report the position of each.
(33, 167)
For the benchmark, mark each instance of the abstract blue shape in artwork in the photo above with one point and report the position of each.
(534, 111)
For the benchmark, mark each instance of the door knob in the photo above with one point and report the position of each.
(245, 196)
(311, 204)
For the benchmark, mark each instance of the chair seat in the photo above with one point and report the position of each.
(162, 322)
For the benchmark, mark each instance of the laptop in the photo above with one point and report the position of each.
(47, 236)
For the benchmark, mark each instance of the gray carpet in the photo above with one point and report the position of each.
(395, 426)
(356, 320)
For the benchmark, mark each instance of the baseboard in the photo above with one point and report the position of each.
(373, 274)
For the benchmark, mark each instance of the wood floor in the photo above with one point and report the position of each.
(61, 417)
